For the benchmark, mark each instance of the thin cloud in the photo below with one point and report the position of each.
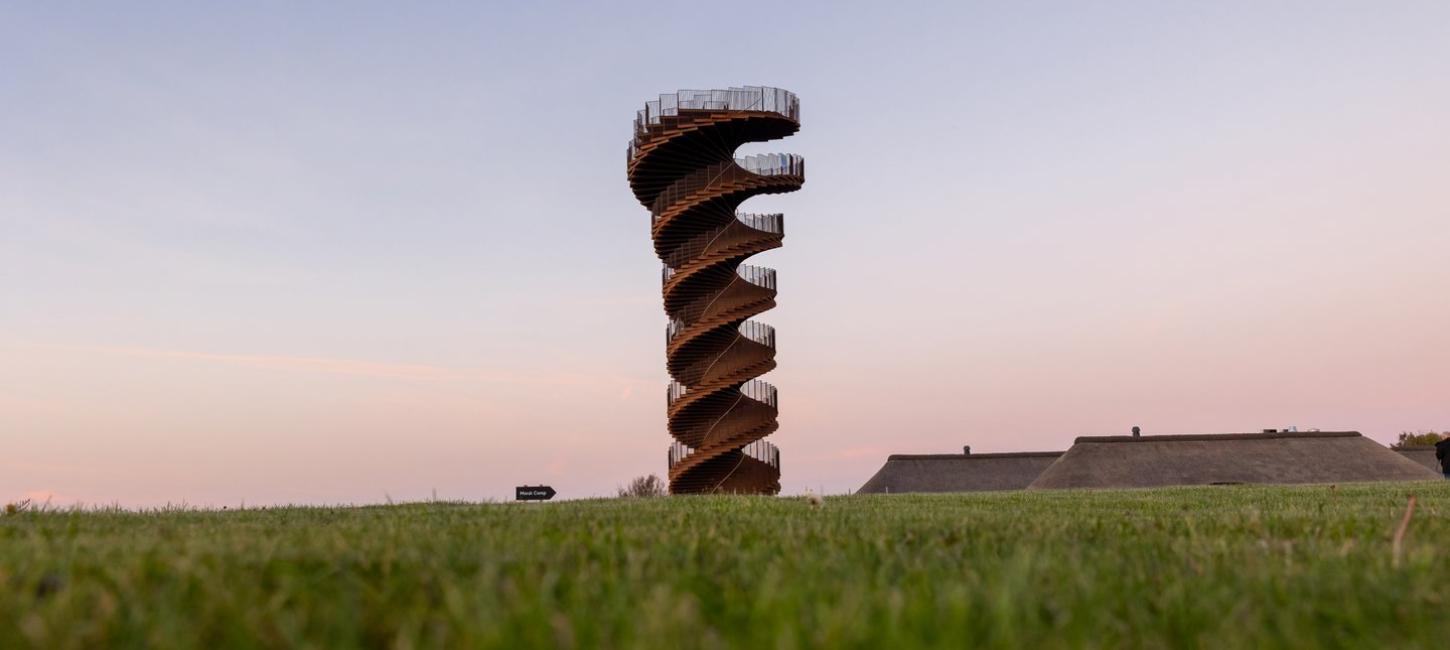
(355, 367)
(308, 364)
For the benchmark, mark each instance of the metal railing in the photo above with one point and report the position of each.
(758, 332)
(757, 275)
(678, 451)
(761, 392)
(749, 329)
(773, 164)
(747, 98)
(764, 452)
(694, 247)
(754, 389)
(738, 169)
(734, 356)
(759, 450)
(772, 223)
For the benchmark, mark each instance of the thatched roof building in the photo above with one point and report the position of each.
(1280, 457)
(1422, 455)
(966, 472)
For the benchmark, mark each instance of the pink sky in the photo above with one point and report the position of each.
(342, 258)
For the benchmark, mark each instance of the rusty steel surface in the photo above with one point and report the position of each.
(682, 167)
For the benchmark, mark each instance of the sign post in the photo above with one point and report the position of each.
(534, 493)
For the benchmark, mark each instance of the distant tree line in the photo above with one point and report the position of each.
(1419, 439)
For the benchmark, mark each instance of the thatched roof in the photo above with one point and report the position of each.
(1284, 457)
(1422, 455)
(958, 472)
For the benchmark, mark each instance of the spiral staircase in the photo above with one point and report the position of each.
(682, 166)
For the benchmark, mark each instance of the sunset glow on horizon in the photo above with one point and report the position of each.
(304, 255)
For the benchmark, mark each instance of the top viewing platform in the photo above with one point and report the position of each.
(748, 98)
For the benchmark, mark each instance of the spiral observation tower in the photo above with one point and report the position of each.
(682, 166)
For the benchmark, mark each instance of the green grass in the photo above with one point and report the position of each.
(1192, 567)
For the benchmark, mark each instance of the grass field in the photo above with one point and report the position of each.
(1191, 567)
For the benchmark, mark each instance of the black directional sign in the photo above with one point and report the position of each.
(534, 493)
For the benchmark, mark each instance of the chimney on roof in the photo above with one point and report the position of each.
(1137, 432)
(966, 450)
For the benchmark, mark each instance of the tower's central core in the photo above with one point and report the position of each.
(682, 166)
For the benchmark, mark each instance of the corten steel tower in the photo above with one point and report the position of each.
(682, 166)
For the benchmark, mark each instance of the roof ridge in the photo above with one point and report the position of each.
(1211, 437)
(1006, 454)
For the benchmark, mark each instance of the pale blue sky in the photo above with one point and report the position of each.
(326, 253)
